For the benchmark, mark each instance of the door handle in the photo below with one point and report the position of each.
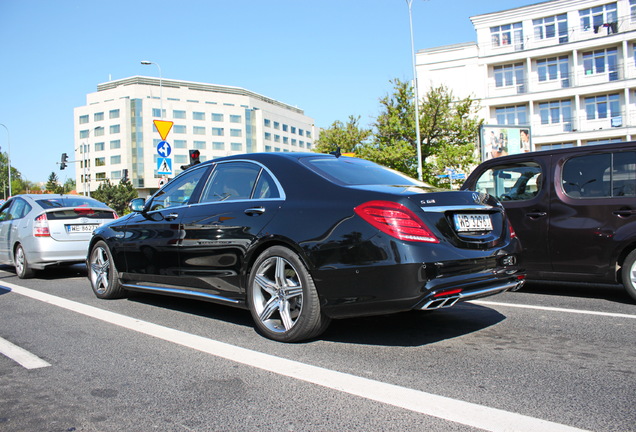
(536, 215)
(171, 216)
(255, 211)
(624, 212)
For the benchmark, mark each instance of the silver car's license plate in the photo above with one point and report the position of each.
(473, 222)
(81, 228)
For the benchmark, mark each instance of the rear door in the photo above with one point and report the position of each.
(593, 212)
(238, 201)
(524, 190)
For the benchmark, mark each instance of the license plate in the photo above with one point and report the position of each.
(81, 228)
(473, 222)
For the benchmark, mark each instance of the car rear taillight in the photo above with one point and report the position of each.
(41, 226)
(115, 216)
(395, 220)
(513, 234)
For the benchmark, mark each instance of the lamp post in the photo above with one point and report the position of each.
(146, 62)
(417, 103)
(8, 154)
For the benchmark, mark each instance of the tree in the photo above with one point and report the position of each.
(348, 137)
(116, 197)
(16, 177)
(53, 185)
(69, 185)
(449, 130)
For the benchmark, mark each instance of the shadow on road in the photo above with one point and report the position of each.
(614, 293)
(413, 328)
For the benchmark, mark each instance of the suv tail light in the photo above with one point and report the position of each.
(41, 226)
(513, 234)
(395, 220)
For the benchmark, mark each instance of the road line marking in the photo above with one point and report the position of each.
(478, 416)
(21, 356)
(554, 309)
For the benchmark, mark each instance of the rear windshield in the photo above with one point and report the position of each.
(353, 171)
(79, 201)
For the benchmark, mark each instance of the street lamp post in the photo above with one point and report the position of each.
(146, 62)
(417, 102)
(8, 155)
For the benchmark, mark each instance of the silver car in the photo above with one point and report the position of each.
(37, 231)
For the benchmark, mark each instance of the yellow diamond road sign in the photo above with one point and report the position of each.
(163, 127)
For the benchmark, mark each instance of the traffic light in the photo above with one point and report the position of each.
(194, 159)
(63, 161)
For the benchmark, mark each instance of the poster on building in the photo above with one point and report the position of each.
(504, 140)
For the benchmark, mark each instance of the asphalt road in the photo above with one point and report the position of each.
(546, 358)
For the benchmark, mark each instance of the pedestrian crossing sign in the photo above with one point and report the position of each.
(164, 166)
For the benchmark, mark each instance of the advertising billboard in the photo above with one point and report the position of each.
(502, 140)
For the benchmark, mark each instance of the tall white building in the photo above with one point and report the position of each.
(115, 134)
(564, 68)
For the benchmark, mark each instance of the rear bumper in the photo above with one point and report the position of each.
(45, 252)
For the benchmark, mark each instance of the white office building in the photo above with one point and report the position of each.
(115, 134)
(566, 69)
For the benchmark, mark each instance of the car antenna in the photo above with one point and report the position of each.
(336, 153)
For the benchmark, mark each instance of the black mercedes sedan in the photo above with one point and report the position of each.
(303, 238)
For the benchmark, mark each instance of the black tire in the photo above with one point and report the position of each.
(283, 299)
(628, 274)
(103, 274)
(22, 267)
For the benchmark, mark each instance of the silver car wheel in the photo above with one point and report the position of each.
(99, 270)
(277, 294)
(22, 268)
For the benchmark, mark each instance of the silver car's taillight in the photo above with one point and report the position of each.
(41, 226)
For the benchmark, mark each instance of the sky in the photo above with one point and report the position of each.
(331, 58)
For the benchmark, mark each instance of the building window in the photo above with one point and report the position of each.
(113, 114)
(99, 131)
(632, 10)
(217, 132)
(601, 61)
(98, 116)
(216, 145)
(115, 129)
(180, 159)
(600, 107)
(599, 18)
(294, 142)
(199, 145)
(512, 115)
(286, 128)
(83, 119)
(301, 144)
(115, 160)
(293, 129)
(285, 140)
(100, 176)
(178, 114)
(555, 112)
(235, 119)
(83, 134)
(236, 146)
(276, 138)
(100, 161)
(276, 125)
(198, 130)
(99, 146)
(554, 68)
(115, 144)
(156, 112)
(267, 123)
(506, 35)
(308, 134)
(198, 116)
(180, 129)
(509, 75)
(550, 27)
(236, 132)
(217, 117)
(115, 175)
(268, 136)
(180, 144)
(268, 148)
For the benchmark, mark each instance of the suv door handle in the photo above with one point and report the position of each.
(536, 215)
(255, 211)
(171, 216)
(624, 212)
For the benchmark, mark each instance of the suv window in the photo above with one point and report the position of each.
(600, 175)
(511, 183)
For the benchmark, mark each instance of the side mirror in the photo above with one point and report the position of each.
(137, 205)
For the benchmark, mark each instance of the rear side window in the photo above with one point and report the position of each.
(604, 175)
(231, 181)
(512, 182)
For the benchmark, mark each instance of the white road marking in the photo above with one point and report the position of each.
(21, 356)
(466, 413)
(554, 309)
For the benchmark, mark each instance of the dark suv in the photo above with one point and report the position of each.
(574, 210)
